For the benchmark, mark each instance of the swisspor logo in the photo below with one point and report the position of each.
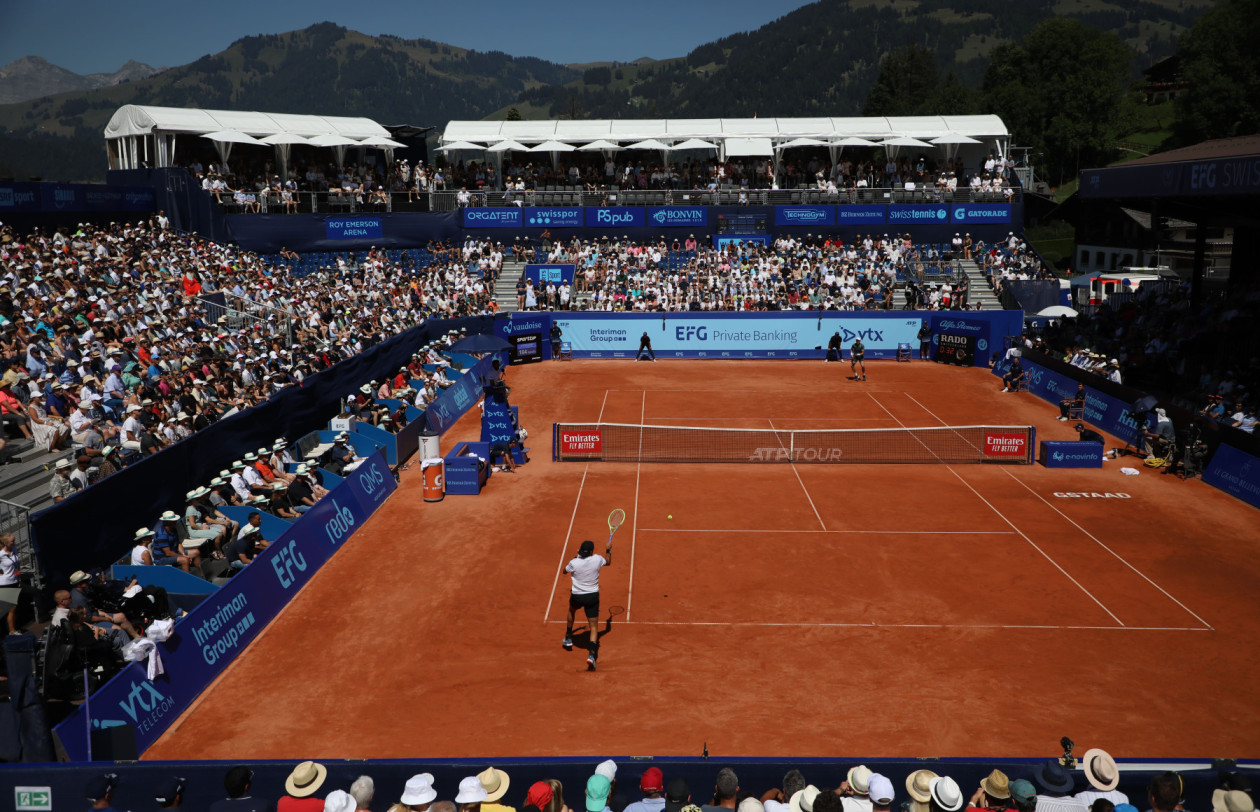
(582, 442)
(1005, 445)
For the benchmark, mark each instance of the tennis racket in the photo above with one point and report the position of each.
(615, 520)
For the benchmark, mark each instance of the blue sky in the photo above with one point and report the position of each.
(96, 36)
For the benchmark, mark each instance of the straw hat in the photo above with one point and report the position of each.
(496, 783)
(306, 779)
(1100, 770)
(919, 785)
(998, 784)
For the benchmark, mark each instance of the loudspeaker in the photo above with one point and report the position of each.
(115, 743)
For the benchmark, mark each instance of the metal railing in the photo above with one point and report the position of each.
(241, 312)
(15, 519)
(567, 196)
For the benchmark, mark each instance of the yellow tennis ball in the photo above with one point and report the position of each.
(670, 516)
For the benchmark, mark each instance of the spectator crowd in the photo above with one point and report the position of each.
(1092, 784)
(1205, 358)
(793, 273)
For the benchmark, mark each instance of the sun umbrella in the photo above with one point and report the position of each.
(333, 141)
(853, 141)
(553, 146)
(650, 143)
(507, 146)
(599, 146)
(693, 143)
(381, 141)
(804, 142)
(232, 137)
(458, 145)
(1058, 312)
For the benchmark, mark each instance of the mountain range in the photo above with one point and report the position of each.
(32, 76)
(821, 59)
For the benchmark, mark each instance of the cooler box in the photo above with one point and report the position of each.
(433, 474)
(1071, 454)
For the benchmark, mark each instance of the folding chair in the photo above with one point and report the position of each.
(903, 351)
(566, 351)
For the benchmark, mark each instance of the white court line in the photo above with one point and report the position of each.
(855, 532)
(560, 568)
(798, 479)
(1083, 530)
(634, 522)
(1120, 558)
(781, 419)
(950, 468)
(811, 624)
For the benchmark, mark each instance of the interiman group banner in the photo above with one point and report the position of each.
(208, 638)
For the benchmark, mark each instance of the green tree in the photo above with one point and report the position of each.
(906, 86)
(1220, 64)
(1061, 92)
(513, 114)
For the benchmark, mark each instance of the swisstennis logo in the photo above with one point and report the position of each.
(1004, 444)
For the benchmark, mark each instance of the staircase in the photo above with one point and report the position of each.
(25, 474)
(978, 289)
(505, 288)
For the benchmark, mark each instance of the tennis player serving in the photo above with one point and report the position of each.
(857, 357)
(584, 570)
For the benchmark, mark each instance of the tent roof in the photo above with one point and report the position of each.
(624, 131)
(135, 119)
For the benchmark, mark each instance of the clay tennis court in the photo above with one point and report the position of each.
(785, 610)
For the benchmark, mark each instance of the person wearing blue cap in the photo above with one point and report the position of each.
(1057, 785)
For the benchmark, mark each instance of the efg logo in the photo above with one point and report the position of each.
(701, 333)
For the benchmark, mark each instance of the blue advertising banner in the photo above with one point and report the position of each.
(509, 217)
(1235, 472)
(988, 330)
(19, 197)
(735, 335)
(910, 215)
(615, 217)
(980, 212)
(61, 197)
(1220, 176)
(207, 639)
(352, 228)
(525, 324)
(805, 215)
(740, 239)
(861, 215)
(1071, 454)
(496, 423)
(564, 217)
(542, 274)
(678, 216)
(460, 396)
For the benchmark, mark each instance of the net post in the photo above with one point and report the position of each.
(792, 439)
(555, 442)
(1032, 445)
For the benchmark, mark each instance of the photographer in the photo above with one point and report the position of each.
(1159, 443)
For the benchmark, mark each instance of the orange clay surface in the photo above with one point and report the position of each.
(785, 610)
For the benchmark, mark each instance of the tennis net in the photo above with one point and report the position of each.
(952, 445)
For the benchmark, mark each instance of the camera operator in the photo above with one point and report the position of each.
(1159, 443)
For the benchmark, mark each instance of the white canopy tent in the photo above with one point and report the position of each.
(989, 132)
(140, 135)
